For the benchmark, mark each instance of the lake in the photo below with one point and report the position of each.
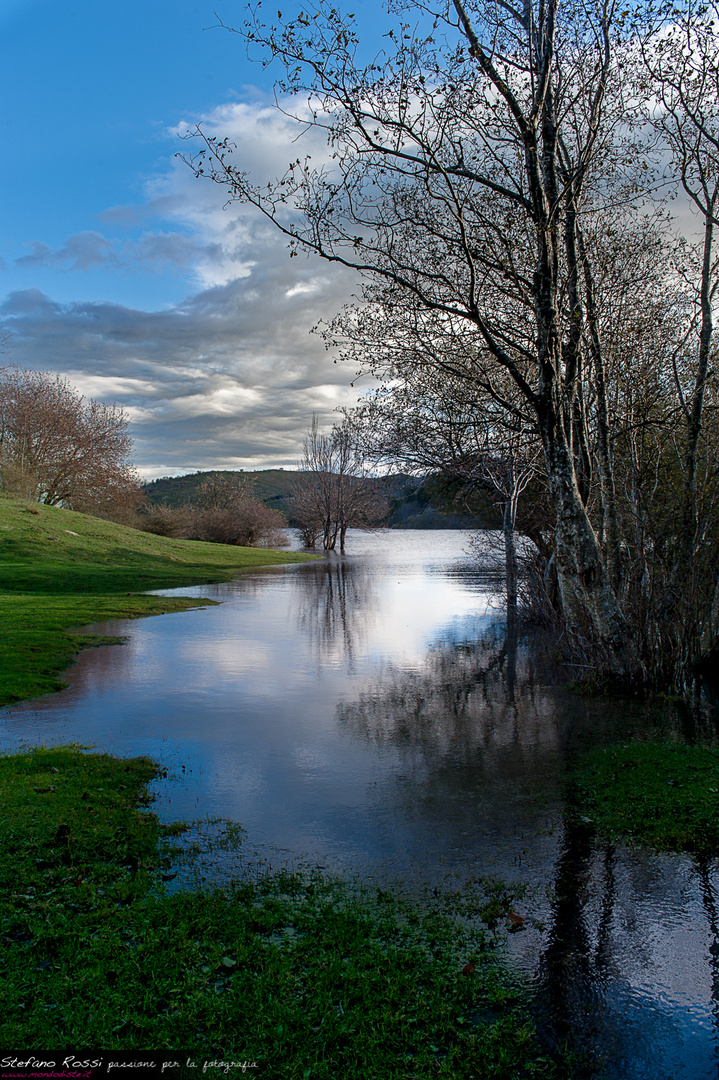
(366, 714)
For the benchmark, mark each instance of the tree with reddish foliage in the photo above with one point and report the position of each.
(226, 512)
(59, 448)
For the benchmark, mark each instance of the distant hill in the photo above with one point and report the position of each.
(413, 505)
(272, 486)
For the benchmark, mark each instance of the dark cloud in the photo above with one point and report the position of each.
(168, 249)
(134, 214)
(80, 252)
(29, 301)
(89, 250)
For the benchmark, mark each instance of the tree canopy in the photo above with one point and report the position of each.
(332, 492)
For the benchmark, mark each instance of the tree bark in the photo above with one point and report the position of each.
(694, 418)
(588, 601)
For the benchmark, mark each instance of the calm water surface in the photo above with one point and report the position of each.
(367, 715)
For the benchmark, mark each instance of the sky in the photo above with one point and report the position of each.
(121, 270)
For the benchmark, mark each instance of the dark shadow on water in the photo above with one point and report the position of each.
(572, 972)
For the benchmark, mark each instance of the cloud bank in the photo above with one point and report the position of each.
(227, 376)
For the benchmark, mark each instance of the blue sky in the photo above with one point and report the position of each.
(121, 270)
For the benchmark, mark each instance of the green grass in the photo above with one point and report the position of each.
(60, 569)
(661, 794)
(304, 975)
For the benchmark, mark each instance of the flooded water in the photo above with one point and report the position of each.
(368, 715)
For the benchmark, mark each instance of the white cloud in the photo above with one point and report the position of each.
(230, 375)
(228, 378)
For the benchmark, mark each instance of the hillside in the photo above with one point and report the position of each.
(415, 504)
(272, 486)
(60, 569)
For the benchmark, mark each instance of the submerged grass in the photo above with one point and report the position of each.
(60, 569)
(303, 975)
(662, 794)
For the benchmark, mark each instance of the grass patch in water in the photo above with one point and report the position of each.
(665, 795)
(307, 976)
(60, 569)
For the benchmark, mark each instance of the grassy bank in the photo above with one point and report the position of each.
(660, 794)
(60, 569)
(305, 976)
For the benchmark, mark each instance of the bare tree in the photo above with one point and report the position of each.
(57, 447)
(681, 57)
(478, 172)
(332, 492)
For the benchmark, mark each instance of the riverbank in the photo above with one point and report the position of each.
(302, 975)
(60, 569)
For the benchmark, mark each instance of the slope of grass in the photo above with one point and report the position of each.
(60, 569)
(304, 976)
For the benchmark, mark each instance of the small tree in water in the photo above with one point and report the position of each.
(333, 492)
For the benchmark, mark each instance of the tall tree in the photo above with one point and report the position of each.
(459, 176)
(470, 172)
(680, 55)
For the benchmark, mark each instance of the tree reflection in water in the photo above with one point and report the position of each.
(486, 747)
(334, 604)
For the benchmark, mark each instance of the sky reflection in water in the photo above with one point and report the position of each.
(364, 715)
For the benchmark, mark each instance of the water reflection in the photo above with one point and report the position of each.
(373, 714)
(627, 972)
(334, 607)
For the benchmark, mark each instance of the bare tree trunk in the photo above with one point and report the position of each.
(510, 547)
(588, 601)
(604, 452)
(694, 417)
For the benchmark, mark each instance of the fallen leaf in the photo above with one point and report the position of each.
(469, 969)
